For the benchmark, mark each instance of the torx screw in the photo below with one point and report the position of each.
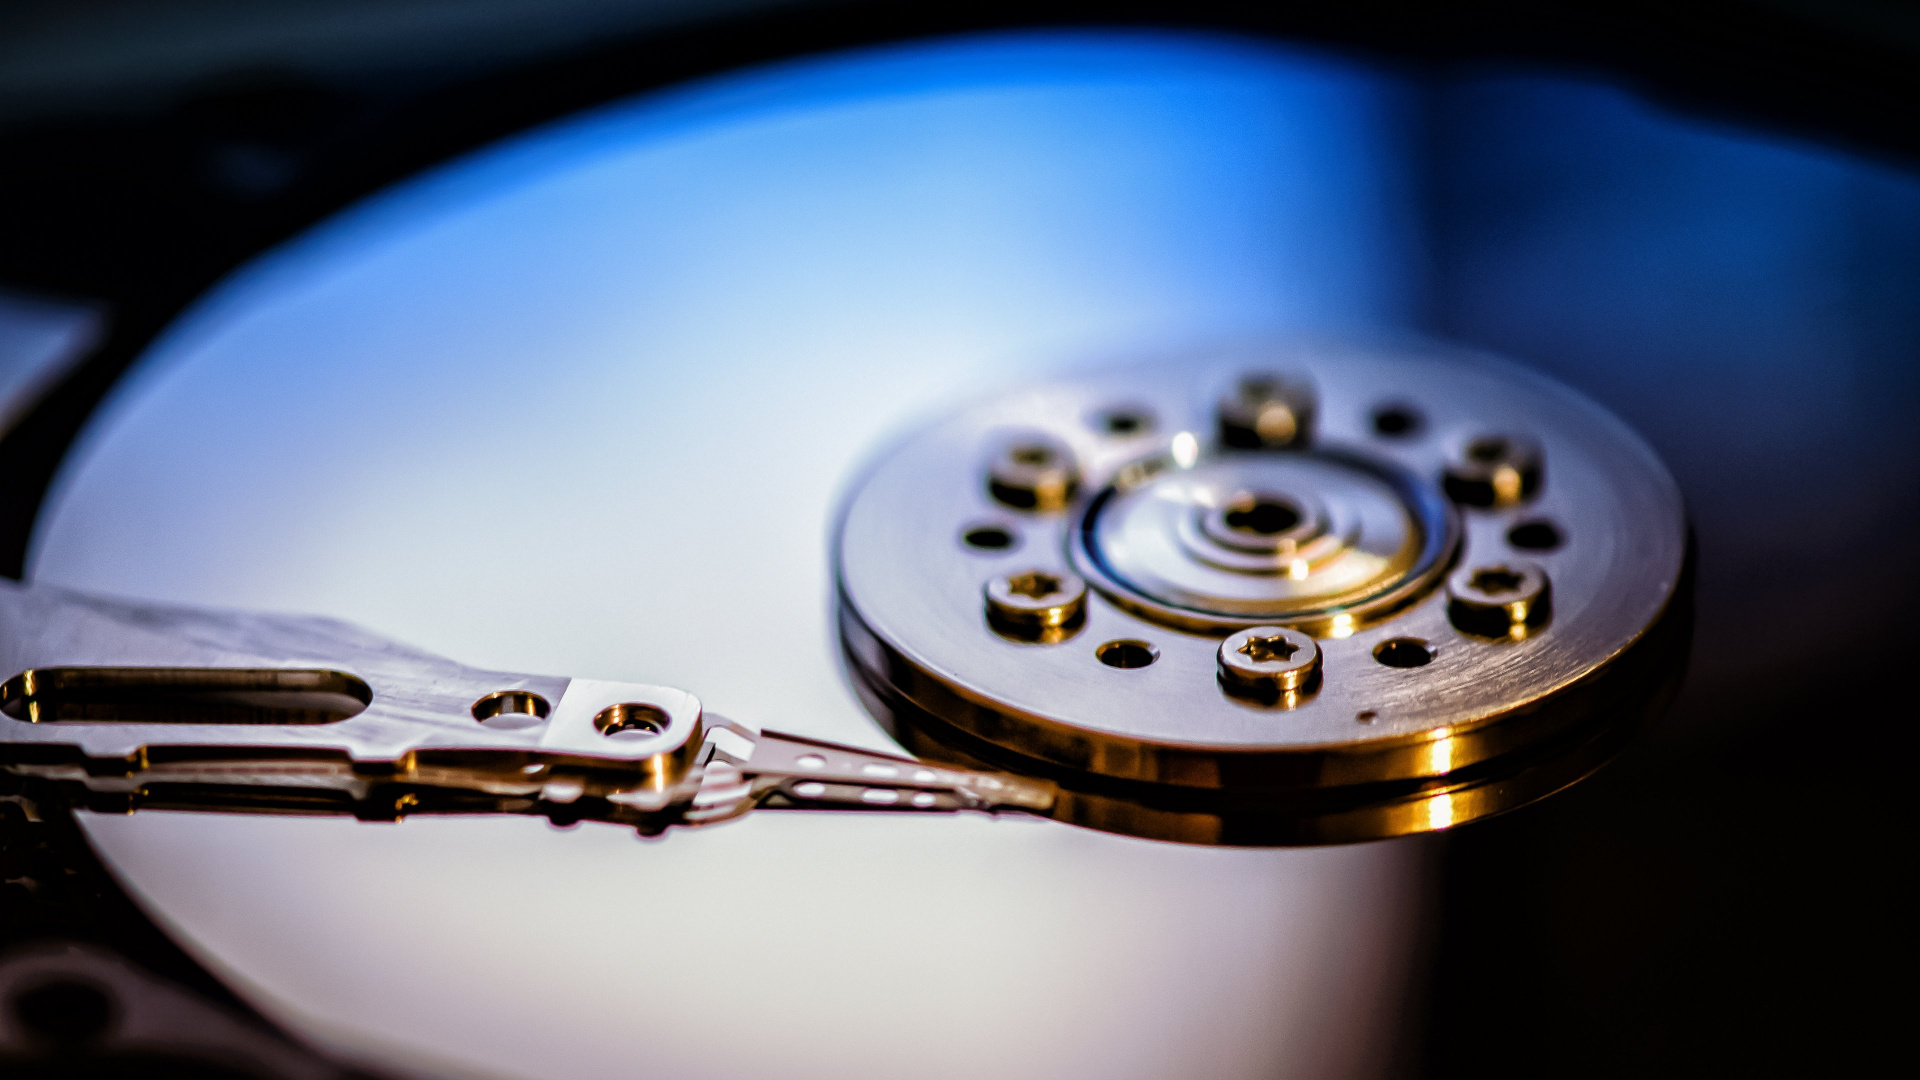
(1033, 602)
(1503, 600)
(1033, 472)
(1269, 661)
(1494, 470)
(1268, 411)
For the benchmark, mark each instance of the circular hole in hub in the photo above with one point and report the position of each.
(989, 538)
(65, 1012)
(511, 704)
(1262, 516)
(1125, 423)
(1403, 652)
(1535, 536)
(631, 720)
(1394, 421)
(1127, 654)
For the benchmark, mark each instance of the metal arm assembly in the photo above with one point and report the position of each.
(129, 705)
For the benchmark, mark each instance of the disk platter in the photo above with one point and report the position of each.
(586, 403)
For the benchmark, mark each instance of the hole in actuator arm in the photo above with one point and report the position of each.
(129, 695)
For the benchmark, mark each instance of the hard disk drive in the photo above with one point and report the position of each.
(963, 557)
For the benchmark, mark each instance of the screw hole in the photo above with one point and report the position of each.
(1126, 422)
(988, 538)
(1127, 654)
(522, 705)
(1262, 516)
(1403, 652)
(1366, 716)
(631, 720)
(1031, 454)
(1394, 421)
(1535, 536)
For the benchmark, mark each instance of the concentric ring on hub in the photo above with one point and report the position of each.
(1301, 538)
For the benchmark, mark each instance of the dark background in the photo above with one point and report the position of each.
(1728, 896)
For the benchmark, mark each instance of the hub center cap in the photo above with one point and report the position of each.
(1293, 537)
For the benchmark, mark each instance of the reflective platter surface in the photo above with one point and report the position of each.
(586, 403)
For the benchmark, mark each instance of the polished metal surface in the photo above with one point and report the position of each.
(1185, 540)
(1307, 537)
(131, 705)
(1740, 303)
(585, 405)
(138, 704)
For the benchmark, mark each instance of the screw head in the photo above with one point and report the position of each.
(1494, 470)
(1036, 600)
(1502, 599)
(1033, 472)
(1269, 660)
(1268, 411)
